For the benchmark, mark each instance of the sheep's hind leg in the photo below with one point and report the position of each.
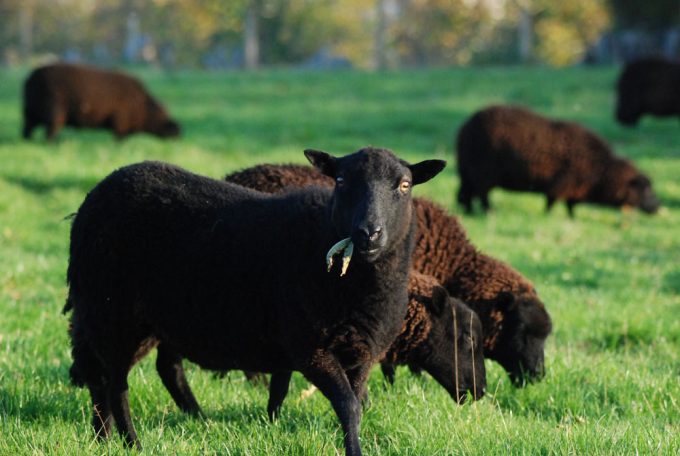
(170, 369)
(88, 371)
(120, 407)
(278, 389)
(484, 198)
(549, 202)
(388, 371)
(327, 375)
(27, 130)
(465, 196)
(55, 124)
(101, 411)
(570, 207)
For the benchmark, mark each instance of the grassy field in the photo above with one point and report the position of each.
(610, 280)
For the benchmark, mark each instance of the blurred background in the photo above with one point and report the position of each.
(378, 34)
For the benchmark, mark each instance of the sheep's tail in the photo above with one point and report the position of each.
(76, 377)
(86, 369)
(68, 306)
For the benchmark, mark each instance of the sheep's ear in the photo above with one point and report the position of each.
(426, 170)
(440, 299)
(506, 301)
(323, 161)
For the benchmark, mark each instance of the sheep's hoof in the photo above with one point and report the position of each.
(347, 248)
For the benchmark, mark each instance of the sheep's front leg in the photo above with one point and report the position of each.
(170, 369)
(358, 378)
(278, 389)
(326, 373)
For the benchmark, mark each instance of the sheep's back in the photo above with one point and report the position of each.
(519, 150)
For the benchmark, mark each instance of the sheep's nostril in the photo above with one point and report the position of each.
(375, 234)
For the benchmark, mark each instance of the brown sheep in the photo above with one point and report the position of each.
(514, 319)
(81, 96)
(648, 86)
(516, 149)
(440, 335)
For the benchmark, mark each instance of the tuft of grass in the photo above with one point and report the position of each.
(610, 280)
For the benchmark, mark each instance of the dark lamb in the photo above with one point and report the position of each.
(440, 335)
(516, 149)
(231, 278)
(648, 86)
(515, 321)
(80, 96)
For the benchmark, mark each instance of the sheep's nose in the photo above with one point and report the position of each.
(373, 236)
(366, 237)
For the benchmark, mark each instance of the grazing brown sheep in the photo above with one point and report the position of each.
(648, 86)
(440, 335)
(516, 149)
(514, 319)
(80, 96)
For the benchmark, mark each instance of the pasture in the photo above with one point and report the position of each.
(610, 279)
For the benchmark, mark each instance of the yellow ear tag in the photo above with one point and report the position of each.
(347, 248)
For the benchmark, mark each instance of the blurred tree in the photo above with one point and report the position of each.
(440, 31)
(557, 33)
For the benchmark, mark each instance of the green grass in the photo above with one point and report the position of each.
(610, 280)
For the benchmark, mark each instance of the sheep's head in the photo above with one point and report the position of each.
(453, 352)
(372, 196)
(639, 194)
(623, 185)
(158, 122)
(515, 330)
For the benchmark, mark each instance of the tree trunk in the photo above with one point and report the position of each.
(525, 30)
(379, 57)
(250, 37)
(26, 29)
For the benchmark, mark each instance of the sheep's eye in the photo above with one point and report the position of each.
(339, 181)
(405, 186)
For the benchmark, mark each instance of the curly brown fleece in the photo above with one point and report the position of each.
(516, 149)
(444, 252)
(506, 302)
(417, 322)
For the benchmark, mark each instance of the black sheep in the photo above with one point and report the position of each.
(80, 96)
(440, 335)
(516, 149)
(648, 86)
(515, 321)
(231, 278)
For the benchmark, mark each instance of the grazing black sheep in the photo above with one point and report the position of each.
(440, 335)
(648, 86)
(515, 321)
(80, 96)
(516, 149)
(231, 278)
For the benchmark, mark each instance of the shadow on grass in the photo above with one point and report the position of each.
(670, 203)
(45, 186)
(672, 282)
(53, 397)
